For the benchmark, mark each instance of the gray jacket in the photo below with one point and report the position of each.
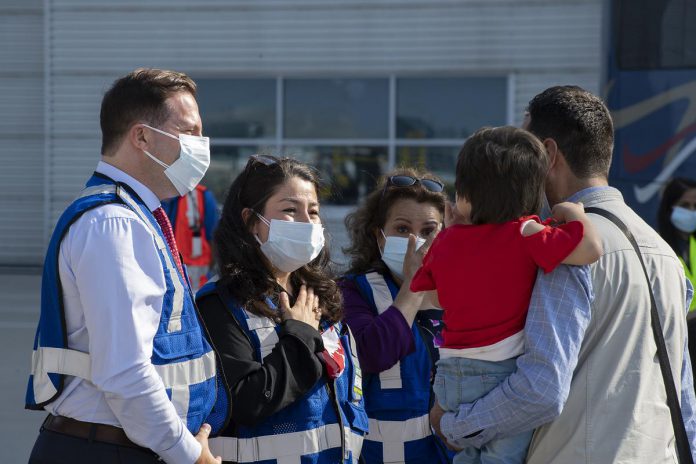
(617, 410)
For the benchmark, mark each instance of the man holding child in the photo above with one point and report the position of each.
(588, 377)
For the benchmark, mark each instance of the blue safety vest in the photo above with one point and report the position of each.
(181, 353)
(326, 425)
(398, 399)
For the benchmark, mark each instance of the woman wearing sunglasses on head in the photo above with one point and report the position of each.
(394, 328)
(273, 317)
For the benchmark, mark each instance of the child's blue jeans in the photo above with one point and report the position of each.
(463, 380)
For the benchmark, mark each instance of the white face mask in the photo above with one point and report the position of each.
(394, 253)
(194, 158)
(684, 219)
(290, 244)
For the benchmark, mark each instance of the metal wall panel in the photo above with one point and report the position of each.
(433, 36)
(530, 84)
(540, 42)
(21, 133)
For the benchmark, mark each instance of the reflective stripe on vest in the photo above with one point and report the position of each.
(178, 303)
(394, 434)
(390, 378)
(174, 324)
(357, 371)
(190, 228)
(265, 330)
(177, 377)
(286, 448)
(76, 363)
(193, 215)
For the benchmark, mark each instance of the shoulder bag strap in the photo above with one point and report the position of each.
(683, 447)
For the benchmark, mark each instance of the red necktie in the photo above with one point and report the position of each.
(166, 227)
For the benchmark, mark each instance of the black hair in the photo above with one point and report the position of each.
(673, 191)
(580, 124)
(244, 270)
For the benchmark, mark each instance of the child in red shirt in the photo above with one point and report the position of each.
(484, 268)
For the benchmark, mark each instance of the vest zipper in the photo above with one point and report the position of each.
(331, 387)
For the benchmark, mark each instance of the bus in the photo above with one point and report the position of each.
(650, 88)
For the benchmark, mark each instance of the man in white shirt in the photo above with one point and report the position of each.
(120, 360)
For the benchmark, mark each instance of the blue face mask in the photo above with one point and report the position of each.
(684, 219)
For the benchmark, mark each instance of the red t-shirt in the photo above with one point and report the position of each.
(484, 275)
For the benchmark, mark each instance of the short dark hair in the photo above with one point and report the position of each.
(371, 215)
(674, 190)
(138, 96)
(501, 172)
(580, 124)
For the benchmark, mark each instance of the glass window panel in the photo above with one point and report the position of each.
(336, 108)
(226, 162)
(441, 161)
(656, 34)
(237, 108)
(450, 108)
(348, 173)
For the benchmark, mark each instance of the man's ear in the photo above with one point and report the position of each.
(553, 152)
(138, 136)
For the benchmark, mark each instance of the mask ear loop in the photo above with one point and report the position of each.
(381, 250)
(265, 221)
(154, 158)
(162, 132)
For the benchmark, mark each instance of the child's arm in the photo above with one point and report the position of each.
(589, 249)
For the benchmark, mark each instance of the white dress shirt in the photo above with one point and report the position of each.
(113, 288)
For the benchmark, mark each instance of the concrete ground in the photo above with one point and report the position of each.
(19, 312)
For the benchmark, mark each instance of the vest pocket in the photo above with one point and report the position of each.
(168, 346)
(356, 416)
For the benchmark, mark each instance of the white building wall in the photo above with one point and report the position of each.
(21, 132)
(540, 42)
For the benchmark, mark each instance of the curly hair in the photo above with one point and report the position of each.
(371, 216)
(244, 270)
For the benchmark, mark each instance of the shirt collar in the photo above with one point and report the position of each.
(574, 198)
(147, 195)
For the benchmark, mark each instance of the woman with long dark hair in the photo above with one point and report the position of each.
(676, 223)
(274, 318)
(393, 326)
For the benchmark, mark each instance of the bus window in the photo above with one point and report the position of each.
(655, 34)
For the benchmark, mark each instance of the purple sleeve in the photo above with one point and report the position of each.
(381, 340)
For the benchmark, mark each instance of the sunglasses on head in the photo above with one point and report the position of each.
(266, 160)
(430, 185)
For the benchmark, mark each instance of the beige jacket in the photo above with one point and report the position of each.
(617, 409)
